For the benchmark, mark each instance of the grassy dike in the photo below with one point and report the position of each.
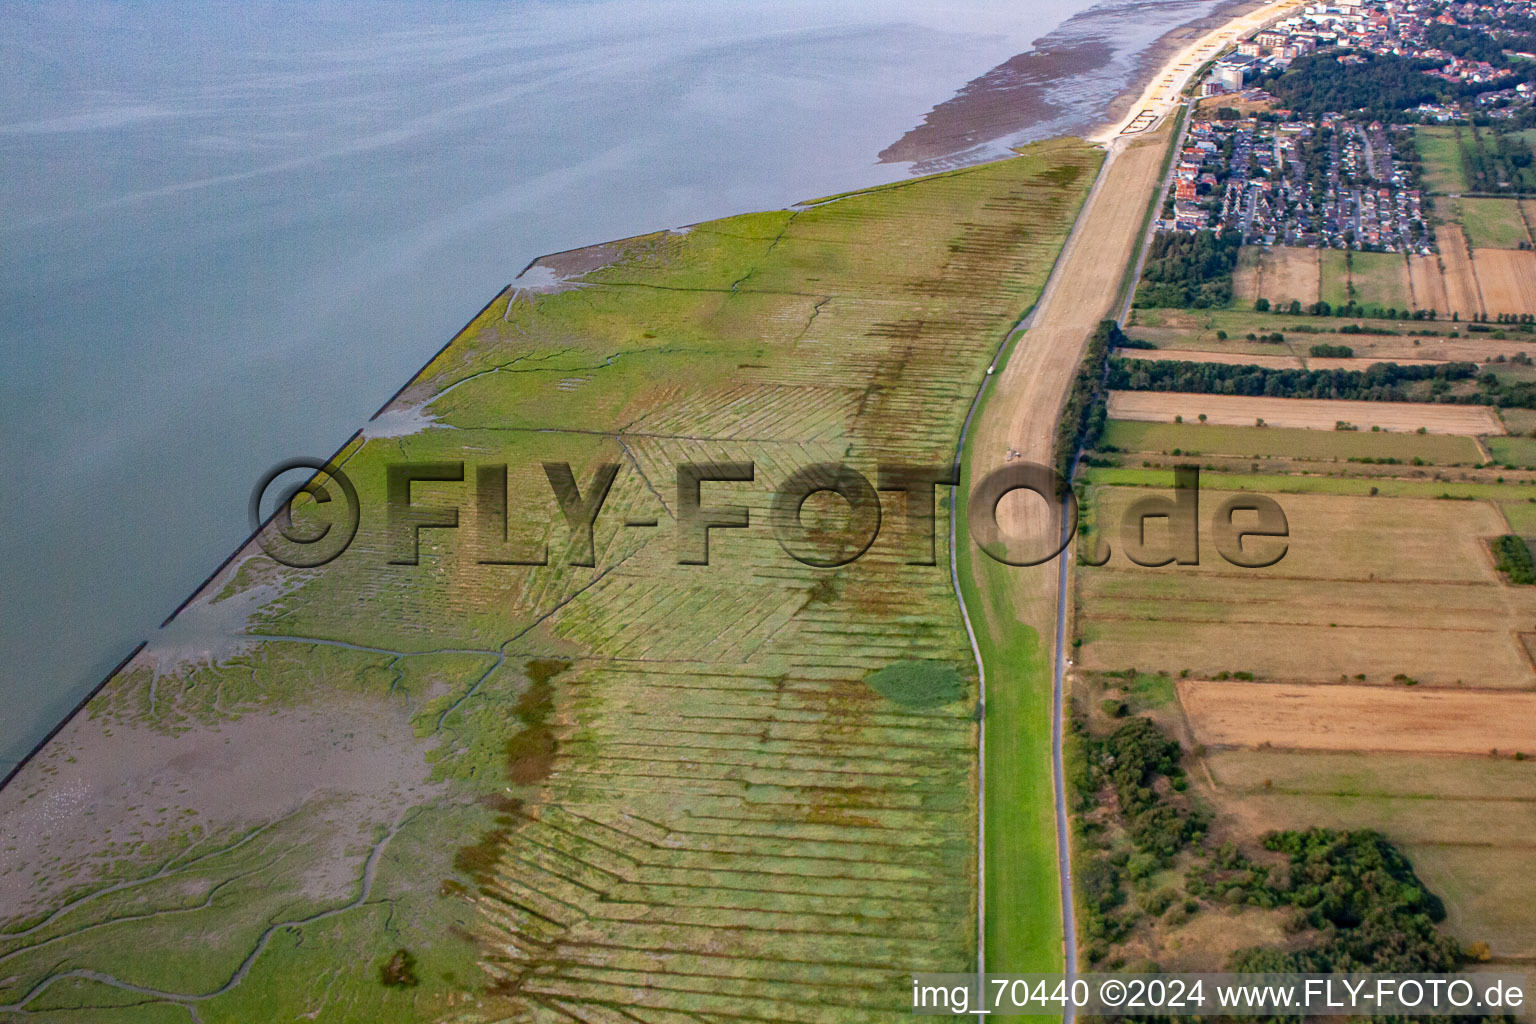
(1022, 910)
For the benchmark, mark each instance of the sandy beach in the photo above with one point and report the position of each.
(1163, 55)
(1161, 94)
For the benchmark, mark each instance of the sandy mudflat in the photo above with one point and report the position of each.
(1025, 91)
(1001, 103)
(102, 782)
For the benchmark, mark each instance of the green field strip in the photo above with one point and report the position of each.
(1494, 223)
(1282, 484)
(1441, 153)
(1290, 442)
(1333, 277)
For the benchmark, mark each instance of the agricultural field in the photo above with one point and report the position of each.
(1343, 601)
(1461, 292)
(1246, 276)
(1281, 274)
(1478, 347)
(1305, 413)
(1493, 223)
(1519, 421)
(1506, 279)
(1231, 354)
(1416, 484)
(1333, 277)
(1337, 716)
(1282, 442)
(739, 789)
(1360, 362)
(1194, 328)
(1513, 451)
(1439, 149)
(1378, 676)
(1277, 273)
(1426, 284)
(1381, 279)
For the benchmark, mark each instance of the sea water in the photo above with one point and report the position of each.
(229, 231)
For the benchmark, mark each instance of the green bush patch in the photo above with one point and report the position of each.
(918, 684)
(1514, 559)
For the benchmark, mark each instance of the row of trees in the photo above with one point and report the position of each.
(1348, 309)
(1383, 382)
(1496, 161)
(1082, 420)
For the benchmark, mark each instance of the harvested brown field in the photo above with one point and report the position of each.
(1247, 276)
(1317, 414)
(1201, 339)
(1474, 348)
(1360, 362)
(1462, 294)
(1347, 717)
(1276, 359)
(1427, 284)
(1507, 279)
(1376, 586)
(1281, 273)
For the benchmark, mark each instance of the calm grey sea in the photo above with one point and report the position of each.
(229, 231)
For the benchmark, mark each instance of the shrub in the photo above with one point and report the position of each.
(918, 683)
(1514, 559)
(399, 971)
(1332, 351)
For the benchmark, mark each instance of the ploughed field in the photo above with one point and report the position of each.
(1321, 414)
(471, 790)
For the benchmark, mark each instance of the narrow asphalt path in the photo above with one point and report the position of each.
(1058, 774)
